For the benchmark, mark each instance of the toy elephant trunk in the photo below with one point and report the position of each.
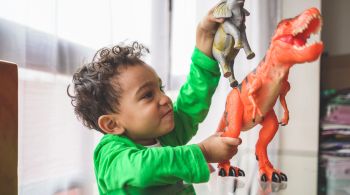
(230, 37)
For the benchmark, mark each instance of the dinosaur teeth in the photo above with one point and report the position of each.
(315, 16)
(307, 23)
(299, 48)
(318, 29)
(306, 45)
(300, 30)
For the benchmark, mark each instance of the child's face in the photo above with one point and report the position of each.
(145, 111)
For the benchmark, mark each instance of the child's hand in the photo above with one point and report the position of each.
(206, 31)
(217, 149)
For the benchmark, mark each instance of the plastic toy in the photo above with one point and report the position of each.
(252, 102)
(230, 36)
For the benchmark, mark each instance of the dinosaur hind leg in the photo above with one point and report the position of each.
(233, 120)
(234, 109)
(222, 123)
(268, 131)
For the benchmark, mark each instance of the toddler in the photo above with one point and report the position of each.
(145, 133)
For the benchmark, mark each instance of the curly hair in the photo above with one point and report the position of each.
(96, 87)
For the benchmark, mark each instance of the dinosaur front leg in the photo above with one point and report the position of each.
(268, 131)
(255, 86)
(284, 91)
(233, 121)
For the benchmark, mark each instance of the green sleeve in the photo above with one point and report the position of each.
(194, 99)
(118, 166)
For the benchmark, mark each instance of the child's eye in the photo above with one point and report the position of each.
(148, 95)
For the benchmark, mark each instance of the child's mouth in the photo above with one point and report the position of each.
(170, 111)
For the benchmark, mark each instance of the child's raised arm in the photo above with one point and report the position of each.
(194, 99)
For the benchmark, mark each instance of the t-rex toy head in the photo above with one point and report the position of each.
(289, 43)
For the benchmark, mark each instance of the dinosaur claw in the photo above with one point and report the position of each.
(241, 172)
(222, 172)
(276, 178)
(231, 172)
(263, 178)
(283, 177)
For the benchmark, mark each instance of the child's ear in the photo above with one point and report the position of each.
(110, 125)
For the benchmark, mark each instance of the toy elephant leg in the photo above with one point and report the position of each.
(268, 131)
(232, 78)
(232, 118)
(249, 53)
(233, 81)
(232, 30)
(225, 67)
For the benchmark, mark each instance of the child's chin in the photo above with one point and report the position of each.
(168, 129)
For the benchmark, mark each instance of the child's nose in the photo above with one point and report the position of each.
(164, 100)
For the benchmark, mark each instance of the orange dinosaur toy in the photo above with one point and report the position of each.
(252, 102)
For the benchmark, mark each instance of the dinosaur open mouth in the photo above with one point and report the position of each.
(299, 37)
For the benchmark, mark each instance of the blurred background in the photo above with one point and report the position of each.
(49, 39)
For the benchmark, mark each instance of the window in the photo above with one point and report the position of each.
(48, 39)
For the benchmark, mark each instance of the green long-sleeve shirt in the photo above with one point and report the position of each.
(120, 162)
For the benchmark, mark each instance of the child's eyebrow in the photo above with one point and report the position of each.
(148, 84)
(145, 85)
